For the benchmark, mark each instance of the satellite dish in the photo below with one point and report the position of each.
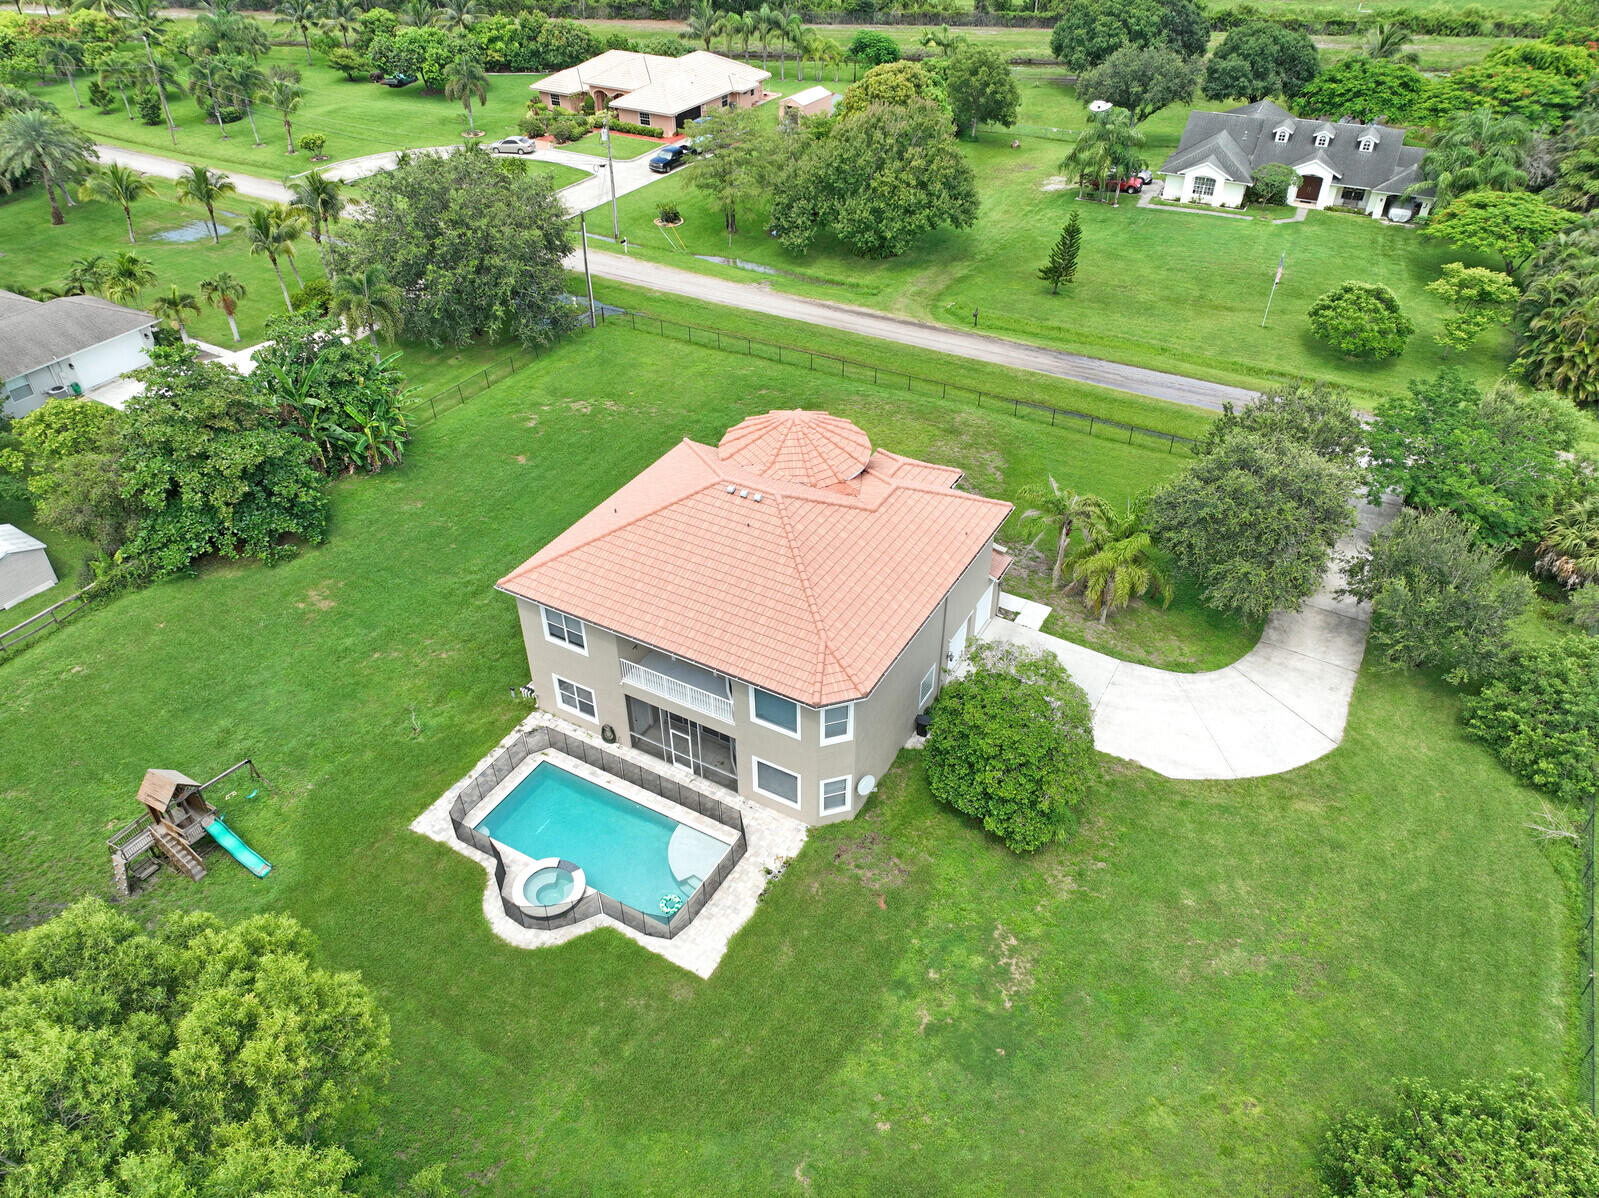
(866, 785)
(1101, 106)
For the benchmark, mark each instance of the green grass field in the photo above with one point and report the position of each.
(1173, 1004)
(623, 145)
(1177, 290)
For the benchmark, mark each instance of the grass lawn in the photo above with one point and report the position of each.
(358, 118)
(1176, 290)
(35, 253)
(1174, 1004)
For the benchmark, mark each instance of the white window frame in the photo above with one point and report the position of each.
(1280, 136)
(849, 795)
(849, 724)
(755, 781)
(1323, 140)
(928, 684)
(799, 720)
(1367, 145)
(582, 629)
(560, 701)
(1208, 182)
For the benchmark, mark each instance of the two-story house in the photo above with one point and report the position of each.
(771, 613)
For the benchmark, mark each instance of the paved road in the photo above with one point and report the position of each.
(1118, 376)
(1281, 705)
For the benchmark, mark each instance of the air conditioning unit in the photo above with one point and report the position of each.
(60, 390)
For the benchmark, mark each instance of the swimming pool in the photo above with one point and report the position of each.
(630, 852)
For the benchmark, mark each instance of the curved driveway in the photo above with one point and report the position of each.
(1281, 705)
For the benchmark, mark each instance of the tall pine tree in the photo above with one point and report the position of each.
(1062, 264)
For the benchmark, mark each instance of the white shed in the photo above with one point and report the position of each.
(25, 568)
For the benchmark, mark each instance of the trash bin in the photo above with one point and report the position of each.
(76, 389)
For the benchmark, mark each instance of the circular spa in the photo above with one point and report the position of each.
(548, 887)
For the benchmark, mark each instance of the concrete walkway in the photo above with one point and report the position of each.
(1282, 705)
(635, 173)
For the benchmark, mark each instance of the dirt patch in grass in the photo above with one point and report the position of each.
(868, 858)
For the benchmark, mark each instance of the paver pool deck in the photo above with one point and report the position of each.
(1281, 705)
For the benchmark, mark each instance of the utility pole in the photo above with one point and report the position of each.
(610, 167)
(583, 227)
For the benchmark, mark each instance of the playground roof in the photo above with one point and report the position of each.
(160, 787)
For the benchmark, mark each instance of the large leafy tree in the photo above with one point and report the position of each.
(207, 469)
(867, 45)
(1317, 415)
(1012, 744)
(1477, 150)
(1254, 521)
(1260, 59)
(880, 179)
(1438, 598)
(895, 83)
(1493, 459)
(1541, 716)
(1361, 320)
(1364, 89)
(1479, 297)
(37, 141)
(1511, 224)
(737, 159)
(476, 247)
(195, 1059)
(1141, 79)
(1511, 1140)
(1540, 81)
(1091, 31)
(980, 87)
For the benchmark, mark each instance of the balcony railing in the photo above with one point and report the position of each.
(718, 706)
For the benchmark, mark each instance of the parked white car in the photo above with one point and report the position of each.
(514, 145)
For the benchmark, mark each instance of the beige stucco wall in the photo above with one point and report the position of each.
(881, 722)
(665, 122)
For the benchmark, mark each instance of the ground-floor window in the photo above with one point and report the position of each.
(777, 783)
(681, 741)
(645, 118)
(555, 101)
(1354, 195)
(1204, 187)
(572, 697)
(835, 795)
(926, 691)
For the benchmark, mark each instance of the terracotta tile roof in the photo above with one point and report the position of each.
(998, 564)
(811, 448)
(807, 592)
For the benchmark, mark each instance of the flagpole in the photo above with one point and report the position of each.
(1277, 279)
(583, 227)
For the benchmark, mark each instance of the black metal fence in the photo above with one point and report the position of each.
(594, 903)
(1590, 1067)
(915, 384)
(428, 410)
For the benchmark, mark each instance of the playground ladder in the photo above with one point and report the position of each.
(178, 850)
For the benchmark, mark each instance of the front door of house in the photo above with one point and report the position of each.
(1309, 190)
(679, 741)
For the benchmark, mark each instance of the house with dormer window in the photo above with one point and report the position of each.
(770, 613)
(1341, 164)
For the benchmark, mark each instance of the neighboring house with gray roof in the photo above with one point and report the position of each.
(1341, 163)
(75, 342)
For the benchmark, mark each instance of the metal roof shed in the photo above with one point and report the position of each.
(25, 568)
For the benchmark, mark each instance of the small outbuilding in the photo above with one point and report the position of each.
(25, 568)
(813, 101)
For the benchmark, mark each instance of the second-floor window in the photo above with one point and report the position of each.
(838, 723)
(558, 626)
(774, 711)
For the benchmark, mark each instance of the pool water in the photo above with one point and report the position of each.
(548, 886)
(621, 846)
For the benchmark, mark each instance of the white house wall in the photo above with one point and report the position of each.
(88, 368)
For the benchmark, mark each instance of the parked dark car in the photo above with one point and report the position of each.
(399, 81)
(669, 158)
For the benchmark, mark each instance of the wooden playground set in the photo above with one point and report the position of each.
(177, 817)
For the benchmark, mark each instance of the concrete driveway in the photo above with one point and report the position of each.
(1282, 705)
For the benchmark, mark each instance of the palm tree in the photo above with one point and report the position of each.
(1569, 550)
(302, 15)
(172, 306)
(702, 21)
(454, 16)
(204, 79)
(342, 17)
(1476, 150)
(62, 54)
(36, 140)
(941, 39)
(418, 13)
(203, 186)
(120, 185)
(127, 277)
(1051, 508)
(289, 218)
(86, 276)
(790, 28)
(320, 199)
(766, 23)
(272, 239)
(812, 45)
(1385, 41)
(145, 23)
(463, 79)
(368, 300)
(1118, 566)
(121, 71)
(224, 291)
(727, 25)
(285, 97)
(749, 24)
(1106, 150)
(244, 81)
